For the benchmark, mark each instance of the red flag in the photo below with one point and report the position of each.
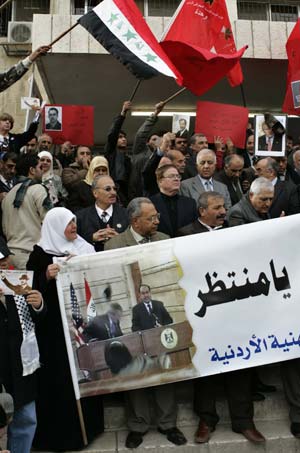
(291, 103)
(200, 43)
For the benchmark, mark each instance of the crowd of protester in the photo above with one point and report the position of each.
(72, 201)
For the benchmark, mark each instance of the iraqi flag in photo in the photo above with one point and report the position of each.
(121, 29)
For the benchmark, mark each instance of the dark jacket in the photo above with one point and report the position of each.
(143, 320)
(88, 222)
(99, 328)
(186, 213)
(195, 228)
(16, 141)
(22, 388)
(222, 177)
(80, 197)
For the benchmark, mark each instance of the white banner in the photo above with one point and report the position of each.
(238, 289)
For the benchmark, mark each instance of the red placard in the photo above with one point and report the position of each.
(223, 120)
(74, 123)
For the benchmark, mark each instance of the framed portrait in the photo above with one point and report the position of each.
(53, 118)
(296, 93)
(269, 141)
(181, 125)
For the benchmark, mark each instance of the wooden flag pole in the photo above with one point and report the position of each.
(174, 95)
(81, 420)
(135, 90)
(63, 34)
(5, 4)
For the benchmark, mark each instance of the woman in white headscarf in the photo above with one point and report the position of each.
(57, 192)
(58, 425)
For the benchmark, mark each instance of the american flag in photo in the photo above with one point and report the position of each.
(76, 318)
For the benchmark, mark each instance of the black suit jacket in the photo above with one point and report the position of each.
(142, 320)
(186, 213)
(99, 328)
(222, 177)
(88, 222)
(195, 228)
(281, 201)
(276, 145)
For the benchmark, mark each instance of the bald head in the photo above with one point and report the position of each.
(233, 166)
(177, 159)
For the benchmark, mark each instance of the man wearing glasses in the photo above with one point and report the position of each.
(106, 218)
(175, 210)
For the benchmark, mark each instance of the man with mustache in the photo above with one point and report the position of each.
(212, 214)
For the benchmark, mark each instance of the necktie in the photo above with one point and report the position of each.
(269, 144)
(149, 308)
(145, 240)
(103, 217)
(113, 329)
(207, 186)
(238, 190)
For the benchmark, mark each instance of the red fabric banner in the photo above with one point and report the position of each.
(74, 123)
(201, 45)
(291, 103)
(223, 120)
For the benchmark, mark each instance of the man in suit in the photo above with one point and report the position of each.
(175, 210)
(98, 223)
(283, 201)
(197, 143)
(143, 224)
(54, 124)
(105, 326)
(144, 220)
(149, 313)
(212, 213)
(230, 176)
(183, 131)
(269, 141)
(204, 181)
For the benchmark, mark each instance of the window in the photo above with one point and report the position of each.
(162, 7)
(275, 10)
(83, 6)
(22, 11)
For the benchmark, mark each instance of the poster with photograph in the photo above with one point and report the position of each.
(181, 125)
(53, 118)
(15, 282)
(168, 311)
(268, 142)
(296, 93)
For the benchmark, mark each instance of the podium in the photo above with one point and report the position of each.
(172, 339)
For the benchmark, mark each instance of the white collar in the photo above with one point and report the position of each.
(137, 237)
(209, 227)
(100, 211)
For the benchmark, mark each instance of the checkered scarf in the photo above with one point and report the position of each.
(29, 349)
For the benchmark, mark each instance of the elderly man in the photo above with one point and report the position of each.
(197, 143)
(204, 180)
(106, 219)
(144, 220)
(175, 210)
(77, 170)
(230, 176)
(212, 215)
(105, 326)
(283, 202)
(255, 206)
(24, 208)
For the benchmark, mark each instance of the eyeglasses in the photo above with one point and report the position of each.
(173, 177)
(108, 188)
(153, 217)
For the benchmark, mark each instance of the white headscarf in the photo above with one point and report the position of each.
(49, 173)
(53, 239)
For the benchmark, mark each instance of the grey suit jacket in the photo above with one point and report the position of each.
(193, 188)
(126, 239)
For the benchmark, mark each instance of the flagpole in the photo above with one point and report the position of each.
(81, 421)
(174, 95)
(63, 34)
(243, 95)
(135, 90)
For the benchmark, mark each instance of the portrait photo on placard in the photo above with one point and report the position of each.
(296, 93)
(53, 118)
(270, 135)
(181, 125)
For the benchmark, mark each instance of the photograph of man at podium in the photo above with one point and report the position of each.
(149, 313)
(103, 327)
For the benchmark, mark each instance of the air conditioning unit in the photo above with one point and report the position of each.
(19, 32)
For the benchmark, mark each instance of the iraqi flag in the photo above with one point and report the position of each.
(291, 103)
(200, 43)
(121, 29)
(90, 303)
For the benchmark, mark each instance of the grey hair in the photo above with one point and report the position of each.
(97, 179)
(134, 208)
(296, 153)
(205, 196)
(228, 159)
(271, 164)
(260, 184)
(205, 151)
